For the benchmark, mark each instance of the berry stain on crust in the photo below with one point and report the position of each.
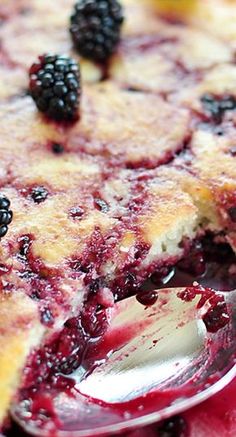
(24, 242)
(55, 86)
(101, 205)
(6, 215)
(76, 212)
(95, 28)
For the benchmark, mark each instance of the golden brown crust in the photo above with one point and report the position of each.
(20, 330)
(115, 123)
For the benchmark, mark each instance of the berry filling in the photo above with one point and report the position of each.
(50, 367)
(216, 316)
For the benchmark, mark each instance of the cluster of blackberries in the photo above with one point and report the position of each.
(55, 80)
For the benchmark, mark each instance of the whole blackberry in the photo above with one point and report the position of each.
(39, 194)
(5, 215)
(216, 106)
(55, 86)
(95, 27)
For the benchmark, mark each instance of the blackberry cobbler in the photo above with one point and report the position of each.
(113, 177)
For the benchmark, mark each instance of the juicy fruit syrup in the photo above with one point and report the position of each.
(209, 272)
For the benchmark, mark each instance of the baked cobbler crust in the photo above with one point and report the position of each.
(147, 168)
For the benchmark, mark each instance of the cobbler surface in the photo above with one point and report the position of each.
(143, 182)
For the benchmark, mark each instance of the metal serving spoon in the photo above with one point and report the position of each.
(153, 362)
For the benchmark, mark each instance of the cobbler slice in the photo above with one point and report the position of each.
(85, 229)
(101, 204)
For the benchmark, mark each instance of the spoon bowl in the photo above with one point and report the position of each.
(153, 362)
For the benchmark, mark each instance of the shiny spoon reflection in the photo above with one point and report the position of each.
(153, 362)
